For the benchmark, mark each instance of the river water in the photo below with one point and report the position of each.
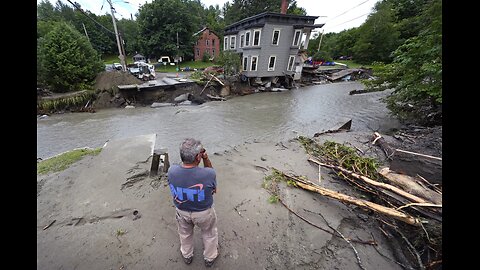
(269, 116)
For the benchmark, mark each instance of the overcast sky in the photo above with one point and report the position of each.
(337, 15)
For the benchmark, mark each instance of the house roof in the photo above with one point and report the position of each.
(271, 14)
(308, 25)
(203, 29)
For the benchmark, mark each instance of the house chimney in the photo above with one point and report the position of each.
(283, 9)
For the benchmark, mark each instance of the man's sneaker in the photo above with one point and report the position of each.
(188, 260)
(209, 263)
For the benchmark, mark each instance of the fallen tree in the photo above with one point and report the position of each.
(418, 201)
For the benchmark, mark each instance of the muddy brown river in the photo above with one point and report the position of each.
(220, 125)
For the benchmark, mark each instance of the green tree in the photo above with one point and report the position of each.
(214, 20)
(230, 61)
(65, 59)
(160, 21)
(46, 11)
(377, 37)
(416, 72)
(322, 56)
(241, 9)
(295, 10)
(130, 32)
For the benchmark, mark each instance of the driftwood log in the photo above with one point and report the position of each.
(353, 92)
(371, 182)
(411, 185)
(308, 185)
(362, 203)
(411, 163)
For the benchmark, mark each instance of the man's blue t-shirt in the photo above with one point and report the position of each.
(192, 188)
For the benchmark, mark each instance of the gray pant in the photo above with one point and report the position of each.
(207, 221)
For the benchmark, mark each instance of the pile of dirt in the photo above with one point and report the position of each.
(106, 81)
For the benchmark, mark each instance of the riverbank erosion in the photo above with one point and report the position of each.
(107, 212)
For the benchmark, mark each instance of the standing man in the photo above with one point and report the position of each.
(192, 188)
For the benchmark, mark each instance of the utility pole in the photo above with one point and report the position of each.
(321, 37)
(121, 56)
(178, 54)
(86, 34)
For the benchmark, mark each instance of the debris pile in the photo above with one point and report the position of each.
(328, 74)
(406, 204)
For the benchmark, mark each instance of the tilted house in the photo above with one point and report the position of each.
(269, 43)
(207, 42)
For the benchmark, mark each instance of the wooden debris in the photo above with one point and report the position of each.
(344, 127)
(359, 202)
(398, 191)
(411, 163)
(430, 185)
(373, 243)
(346, 240)
(319, 174)
(362, 203)
(354, 92)
(206, 85)
(411, 186)
(218, 80)
(51, 223)
(420, 204)
(389, 151)
(215, 97)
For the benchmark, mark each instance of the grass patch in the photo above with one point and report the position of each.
(190, 64)
(63, 161)
(110, 59)
(352, 64)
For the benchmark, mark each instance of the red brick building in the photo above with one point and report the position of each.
(207, 42)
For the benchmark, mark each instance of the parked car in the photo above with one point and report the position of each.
(114, 66)
(117, 66)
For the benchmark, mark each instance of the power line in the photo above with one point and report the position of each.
(91, 17)
(350, 20)
(348, 10)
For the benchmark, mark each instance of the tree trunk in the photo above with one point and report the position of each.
(409, 184)
(362, 203)
(411, 163)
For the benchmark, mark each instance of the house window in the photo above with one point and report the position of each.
(198, 52)
(291, 60)
(271, 63)
(296, 37)
(196, 43)
(225, 43)
(253, 64)
(206, 42)
(245, 63)
(242, 39)
(275, 37)
(232, 42)
(247, 39)
(213, 42)
(256, 37)
(213, 52)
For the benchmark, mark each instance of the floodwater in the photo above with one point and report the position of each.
(220, 125)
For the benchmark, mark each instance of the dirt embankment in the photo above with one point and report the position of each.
(106, 87)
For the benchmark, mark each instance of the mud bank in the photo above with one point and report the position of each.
(95, 226)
